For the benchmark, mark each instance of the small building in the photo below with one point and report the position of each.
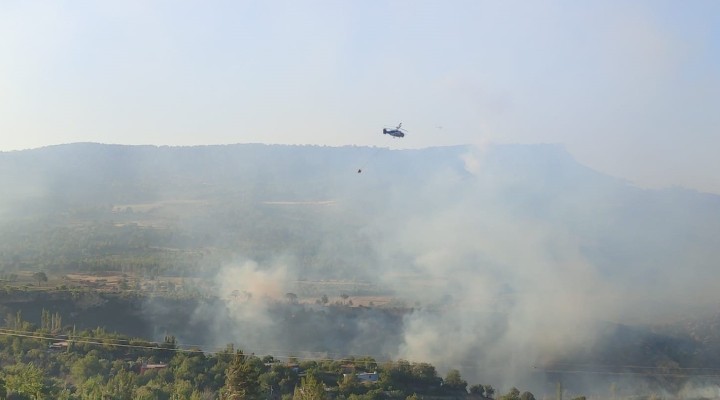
(59, 345)
(145, 367)
(368, 376)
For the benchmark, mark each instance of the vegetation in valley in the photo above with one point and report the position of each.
(48, 362)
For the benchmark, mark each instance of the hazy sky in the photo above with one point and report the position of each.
(631, 88)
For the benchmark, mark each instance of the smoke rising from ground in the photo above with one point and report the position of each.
(507, 257)
(511, 290)
(511, 259)
(512, 267)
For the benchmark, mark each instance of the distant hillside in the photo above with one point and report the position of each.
(238, 197)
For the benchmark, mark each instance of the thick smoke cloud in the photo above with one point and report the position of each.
(512, 259)
(260, 312)
(505, 259)
(509, 289)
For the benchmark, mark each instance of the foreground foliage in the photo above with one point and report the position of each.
(94, 364)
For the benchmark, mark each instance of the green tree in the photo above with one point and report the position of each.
(350, 385)
(527, 396)
(40, 277)
(242, 379)
(426, 374)
(396, 375)
(367, 364)
(489, 391)
(188, 366)
(513, 394)
(56, 322)
(121, 386)
(182, 389)
(346, 299)
(280, 377)
(477, 390)
(310, 389)
(16, 322)
(86, 367)
(144, 393)
(25, 379)
(453, 381)
(91, 388)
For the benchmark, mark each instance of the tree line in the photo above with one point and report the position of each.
(45, 362)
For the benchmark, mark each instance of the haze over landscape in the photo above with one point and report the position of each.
(628, 88)
(505, 250)
(554, 205)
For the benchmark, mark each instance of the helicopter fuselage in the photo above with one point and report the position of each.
(393, 132)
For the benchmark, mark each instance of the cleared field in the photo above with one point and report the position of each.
(158, 205)
(335, 292)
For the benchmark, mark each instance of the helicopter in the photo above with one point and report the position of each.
(398, 132)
